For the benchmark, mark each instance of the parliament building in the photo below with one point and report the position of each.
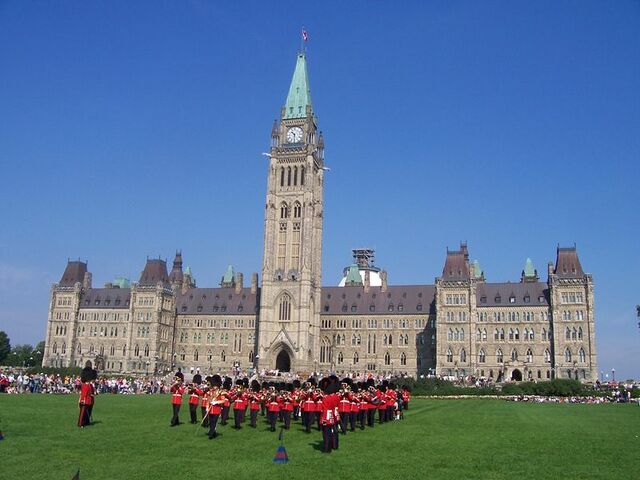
(460, 325)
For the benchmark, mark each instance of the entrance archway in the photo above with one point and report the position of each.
(283, 361)
(516, 375)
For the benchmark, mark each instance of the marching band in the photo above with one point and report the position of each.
(335, 406)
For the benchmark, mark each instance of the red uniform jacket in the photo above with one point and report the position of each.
(177, 391)
(194, 396)
(86, 394)
(329, 413)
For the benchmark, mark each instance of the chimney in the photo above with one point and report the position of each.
(86, 281)
(239, 279)
(367, 281)
(550, 268)
(383, 277)
(254, 283)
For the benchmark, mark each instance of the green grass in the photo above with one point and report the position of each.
(449, 439)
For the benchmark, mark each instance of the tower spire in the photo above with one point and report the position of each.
(299, 97)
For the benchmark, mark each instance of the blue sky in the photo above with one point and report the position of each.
(135, 128)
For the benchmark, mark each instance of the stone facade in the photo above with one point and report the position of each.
(461, 325)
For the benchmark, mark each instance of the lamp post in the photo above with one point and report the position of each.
(613, 374)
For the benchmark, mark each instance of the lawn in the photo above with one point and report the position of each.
(448, 439)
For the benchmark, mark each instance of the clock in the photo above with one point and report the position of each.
(294, 135)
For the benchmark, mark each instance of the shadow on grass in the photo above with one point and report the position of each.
(318, 445)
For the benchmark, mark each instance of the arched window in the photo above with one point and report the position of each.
(282, 177)
(356, 358)
(387, 359)
(251, 356)
(450, 334)
(449, 355)
(580, 333)
(496, 334)
(517, 334)
(297, 210)
(146, 350)
(284, 210)
(136, 351)
(511, 334)
(340, 358)
(567, 355)
(124, 350)
(462, 334)
(581, 356)
(574, 334)
(514, 355)
(295, 175)
(302, 175)
(481, 356)
(502, 334)
(223, 356)
(195, 356)
(547, 356)
(567, 334)
(64, 348)
(284, 308)
(288, 176)
(463, 355)
(529, 355)
(499, 356)
(479, 335)
(55, 347)
(325, 350)
(544, 334)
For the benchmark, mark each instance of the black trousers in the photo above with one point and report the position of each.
(193, 411)
(352, 420)
(371, 416)
(225, 416)
(382, 415)
(296, 412)
(175, 420)
(263, 409)
(362, 418)
(254, 418)
(89, 413)
(306, 421)
(390, 413)
(238, 418)
(344, 417)
(213, 422)
(329, 438)
(286, 416)
(271, 418)
(205, 417)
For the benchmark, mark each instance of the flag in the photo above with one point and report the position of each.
(305, 35)
(281, 455)
(76, 476)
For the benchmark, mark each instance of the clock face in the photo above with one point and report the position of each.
(294, 135)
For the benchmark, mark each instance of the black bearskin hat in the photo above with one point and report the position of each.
(179, 374)
(245, 382)
(255, 385)
(347, 380)
(227, 383)
(87, 374)
(215, 380)
(371, 382)
(312, 381)
(239, 382)
(265, 384)
(197, 379)
(296, 383)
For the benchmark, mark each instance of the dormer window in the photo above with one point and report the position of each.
(498, 299)
(483, 299)
(216, 308)
(326, 308)
(329, 296)
(541, 299)
(419, 307)
(527, 299)
(390, 308)
(223, 308)
(126, 304)
(512, 299)
(199, 308)
(344, 307)
(354, 308)
(184, 308)
(240, 308)
(400, 307)
(372, 308)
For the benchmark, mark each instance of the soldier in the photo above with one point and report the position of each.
(87, 391)
(216, 398)
(204, 402)
(287, 405)
(194, 397)
(273, 408)
(344, 407)
(254, 402)
(226, 386)
(239, 404)
(177, 389)
(329, 415)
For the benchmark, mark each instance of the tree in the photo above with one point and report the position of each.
(5, 346)
(38, 354)
(21, 356)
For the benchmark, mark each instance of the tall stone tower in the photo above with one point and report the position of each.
(289, 324)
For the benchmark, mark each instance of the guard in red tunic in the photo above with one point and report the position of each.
(177, 390)
(344, 407)
(204, 402)
(329, 415)
(287, 406)
(195, 392)
(216, 398)
(226, 386)
(255, 399)
(273, 409)
(87, 376)
(239, 404)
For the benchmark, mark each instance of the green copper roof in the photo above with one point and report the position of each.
(299, 93)
(187, 271)
(122, 282)
(353, 276)
(477, 269)
(529, 270)
(228, 275)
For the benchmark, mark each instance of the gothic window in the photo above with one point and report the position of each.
(387, 359)
(284, 308)
(55, 347)
(403, 359)
(356, 358)
(514, 355)
(295, 175)
(496, 335)
(462, 334)
(302, 175)
(449, 355)
(502, 334)
(544, 334)
(511, 334)
(124, 350)
(284, 210)
(484, 334)
(64, 348)
(481, 356)
(580, 333)
(529, 356)
(581, 356)
(517, 334)
(463, 355)
(288, 176)
(499, 356)
(547, 356)
(195, 356)
(567, 355)
(251, 356)
(297, 210)
(340, 358)
(136, 351)
(223, 356)
(574, 334)
(325, 351)
(146, 350)
(478, 335)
